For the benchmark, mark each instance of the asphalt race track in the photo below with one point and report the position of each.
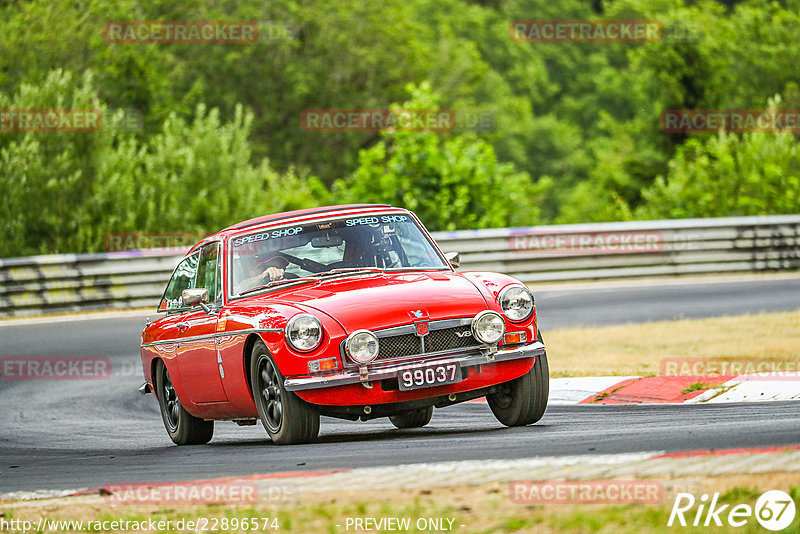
(79, 434)
(665, 300)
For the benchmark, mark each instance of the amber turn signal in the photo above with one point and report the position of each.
(512, 338)
(325, 364)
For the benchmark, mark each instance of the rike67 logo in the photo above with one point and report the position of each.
(774, 510)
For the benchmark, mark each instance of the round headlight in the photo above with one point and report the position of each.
(517, 302)
(304, 332)
(488, 327)
(362, 346)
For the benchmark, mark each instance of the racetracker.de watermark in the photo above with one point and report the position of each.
(175, 241)
(68, 368)
(194, 493)
(762, 369)
(586, 492)
(181, 32)
(55, 368)
(50, 120)
(730, 120)
(596, 242)
(586, 31)
(398, 120)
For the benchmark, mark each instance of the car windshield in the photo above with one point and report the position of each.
(319, 249)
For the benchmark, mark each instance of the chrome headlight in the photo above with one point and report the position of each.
(517, 302)
(488, 327)
(304, 332)
(362, 346)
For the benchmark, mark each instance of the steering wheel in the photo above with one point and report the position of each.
(305, 264)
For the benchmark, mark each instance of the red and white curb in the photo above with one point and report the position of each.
(757, 387)
(653, 465)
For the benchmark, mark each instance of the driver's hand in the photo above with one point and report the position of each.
(273, 273)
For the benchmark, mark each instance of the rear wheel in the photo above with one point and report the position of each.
(183, 428)
(522, 401)
(286, 417)
(412, 418)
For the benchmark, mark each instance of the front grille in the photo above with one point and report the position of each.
(437, 340)
(399, 346)
(447, 339)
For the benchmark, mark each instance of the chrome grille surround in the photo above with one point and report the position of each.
(400, 343)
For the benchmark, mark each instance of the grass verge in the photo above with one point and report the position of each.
(638, 349)
(485, 509)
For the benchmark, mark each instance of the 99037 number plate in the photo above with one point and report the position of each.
(426, 376)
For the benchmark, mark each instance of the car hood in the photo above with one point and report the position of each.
(378, 301)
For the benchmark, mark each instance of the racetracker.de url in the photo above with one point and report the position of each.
(199, 524)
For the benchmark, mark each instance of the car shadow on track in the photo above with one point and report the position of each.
(367, 436)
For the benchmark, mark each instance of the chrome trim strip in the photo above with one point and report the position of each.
(395, 331)
(349, 376)
(450, 323)
(423, 355)
(440, 324)
(214, 335)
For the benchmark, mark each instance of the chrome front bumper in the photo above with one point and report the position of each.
(355, 376)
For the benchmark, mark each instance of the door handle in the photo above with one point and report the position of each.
(182, 326)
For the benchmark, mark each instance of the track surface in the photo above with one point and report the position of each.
(76, 434)
(599, 306)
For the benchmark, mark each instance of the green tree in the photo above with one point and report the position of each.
(728, 175)
(63, 191)
(452, 183)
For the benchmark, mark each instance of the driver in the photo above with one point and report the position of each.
(265, 271)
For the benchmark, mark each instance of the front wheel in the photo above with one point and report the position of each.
(412, 418)
(522, 401)
(286, 417)
(183, 428)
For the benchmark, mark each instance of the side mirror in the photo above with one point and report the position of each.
(194, 296)
(454, 258)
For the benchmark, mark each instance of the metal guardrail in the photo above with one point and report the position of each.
(632, 249)
(134, 279)
(80, 282)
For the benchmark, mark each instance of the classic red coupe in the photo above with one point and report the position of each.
(346, 311)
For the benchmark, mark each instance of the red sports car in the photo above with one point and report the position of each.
(346, 311)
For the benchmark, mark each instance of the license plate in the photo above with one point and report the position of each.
(426, 376)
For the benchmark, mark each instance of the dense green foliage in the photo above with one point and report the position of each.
(577, 134)
(66, 191)
(448, 183)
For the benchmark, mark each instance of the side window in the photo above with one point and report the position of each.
(415, 246)
(182, 278)
(208, 271)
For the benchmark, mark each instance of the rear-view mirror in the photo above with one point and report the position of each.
(325, 241)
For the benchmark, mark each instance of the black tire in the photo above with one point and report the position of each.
(522, 401)
(183, 428)
(286, 417)
(412, 418)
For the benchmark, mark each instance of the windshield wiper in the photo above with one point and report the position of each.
(313, 278)
(347, 270)
(275, 283)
